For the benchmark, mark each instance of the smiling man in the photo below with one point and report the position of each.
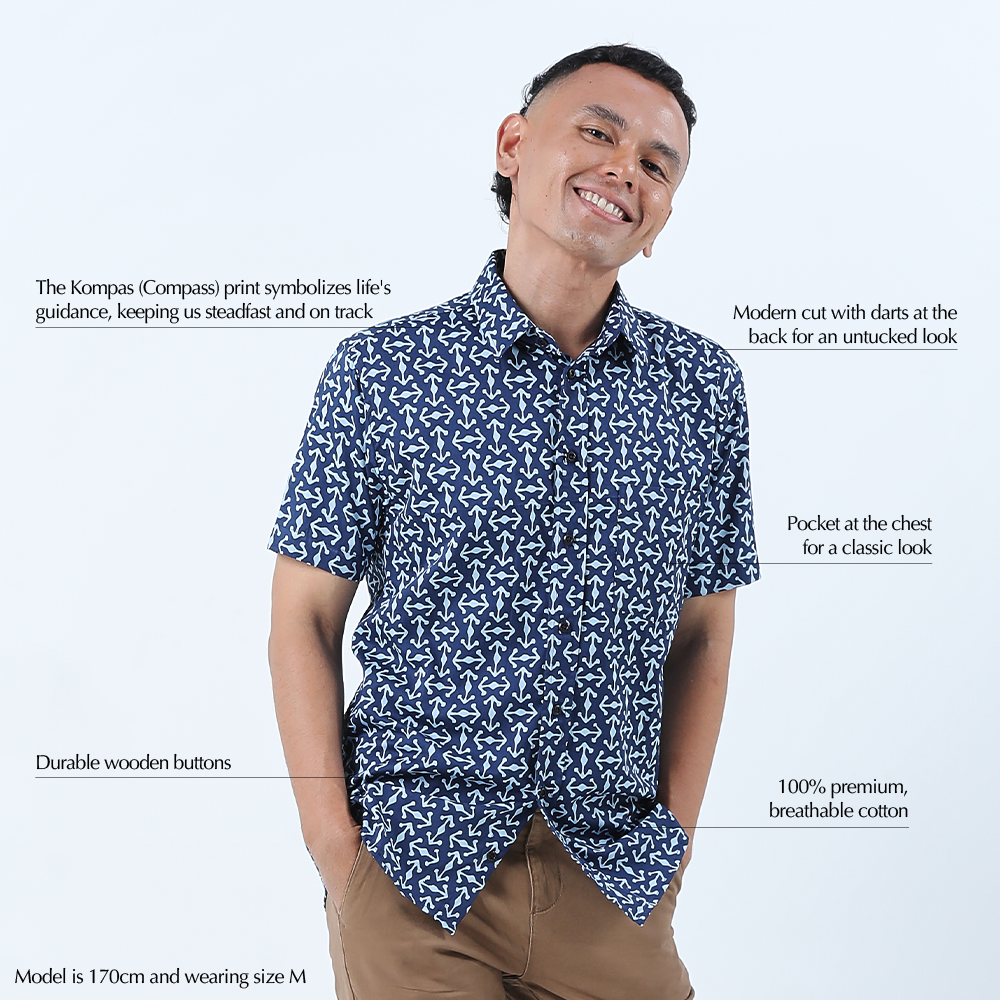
(546, 490)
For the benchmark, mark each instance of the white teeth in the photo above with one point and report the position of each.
(602, 203)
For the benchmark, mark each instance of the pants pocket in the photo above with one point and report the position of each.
(350, 880)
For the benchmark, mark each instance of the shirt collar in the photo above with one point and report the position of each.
(501, 321)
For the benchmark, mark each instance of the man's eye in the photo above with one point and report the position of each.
(597, 133)
(655, 168)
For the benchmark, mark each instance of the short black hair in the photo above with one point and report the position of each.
(645, 64)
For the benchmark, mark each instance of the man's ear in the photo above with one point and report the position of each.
(508, 139)
(647, 250)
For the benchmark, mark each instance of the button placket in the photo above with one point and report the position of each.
(570, 503)
(567, 554)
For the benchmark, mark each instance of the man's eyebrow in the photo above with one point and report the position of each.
(612, 117)
(608, 114)
(668, 151)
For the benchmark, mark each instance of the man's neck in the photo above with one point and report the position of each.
(563, 295)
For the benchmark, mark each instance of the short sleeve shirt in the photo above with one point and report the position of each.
(528, 526)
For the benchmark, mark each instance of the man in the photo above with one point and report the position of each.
(547, 493)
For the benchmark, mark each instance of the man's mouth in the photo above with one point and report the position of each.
(604, 204)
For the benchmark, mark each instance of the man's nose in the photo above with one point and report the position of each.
(623, 166)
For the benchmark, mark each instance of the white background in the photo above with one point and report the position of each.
(843, 154)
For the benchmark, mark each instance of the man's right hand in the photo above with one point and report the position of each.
(336, 862)
(308, 614)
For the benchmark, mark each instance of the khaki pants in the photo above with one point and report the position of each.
(540, 929)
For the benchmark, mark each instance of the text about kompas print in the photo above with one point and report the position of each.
(318, 301)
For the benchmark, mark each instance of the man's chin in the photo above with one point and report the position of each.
(599, 251)
(587, 245)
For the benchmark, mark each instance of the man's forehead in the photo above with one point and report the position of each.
(598, 84)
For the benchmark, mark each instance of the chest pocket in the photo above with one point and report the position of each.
(650, 542)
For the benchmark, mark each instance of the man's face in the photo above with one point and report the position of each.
(602, 132)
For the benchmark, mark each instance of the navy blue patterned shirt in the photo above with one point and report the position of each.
(529, 526)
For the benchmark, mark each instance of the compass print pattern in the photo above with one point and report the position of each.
(528, 526)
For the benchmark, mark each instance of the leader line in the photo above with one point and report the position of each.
(285, 777)
(177, 326)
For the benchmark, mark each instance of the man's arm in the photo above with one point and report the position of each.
(308, 614)
(694, 695)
